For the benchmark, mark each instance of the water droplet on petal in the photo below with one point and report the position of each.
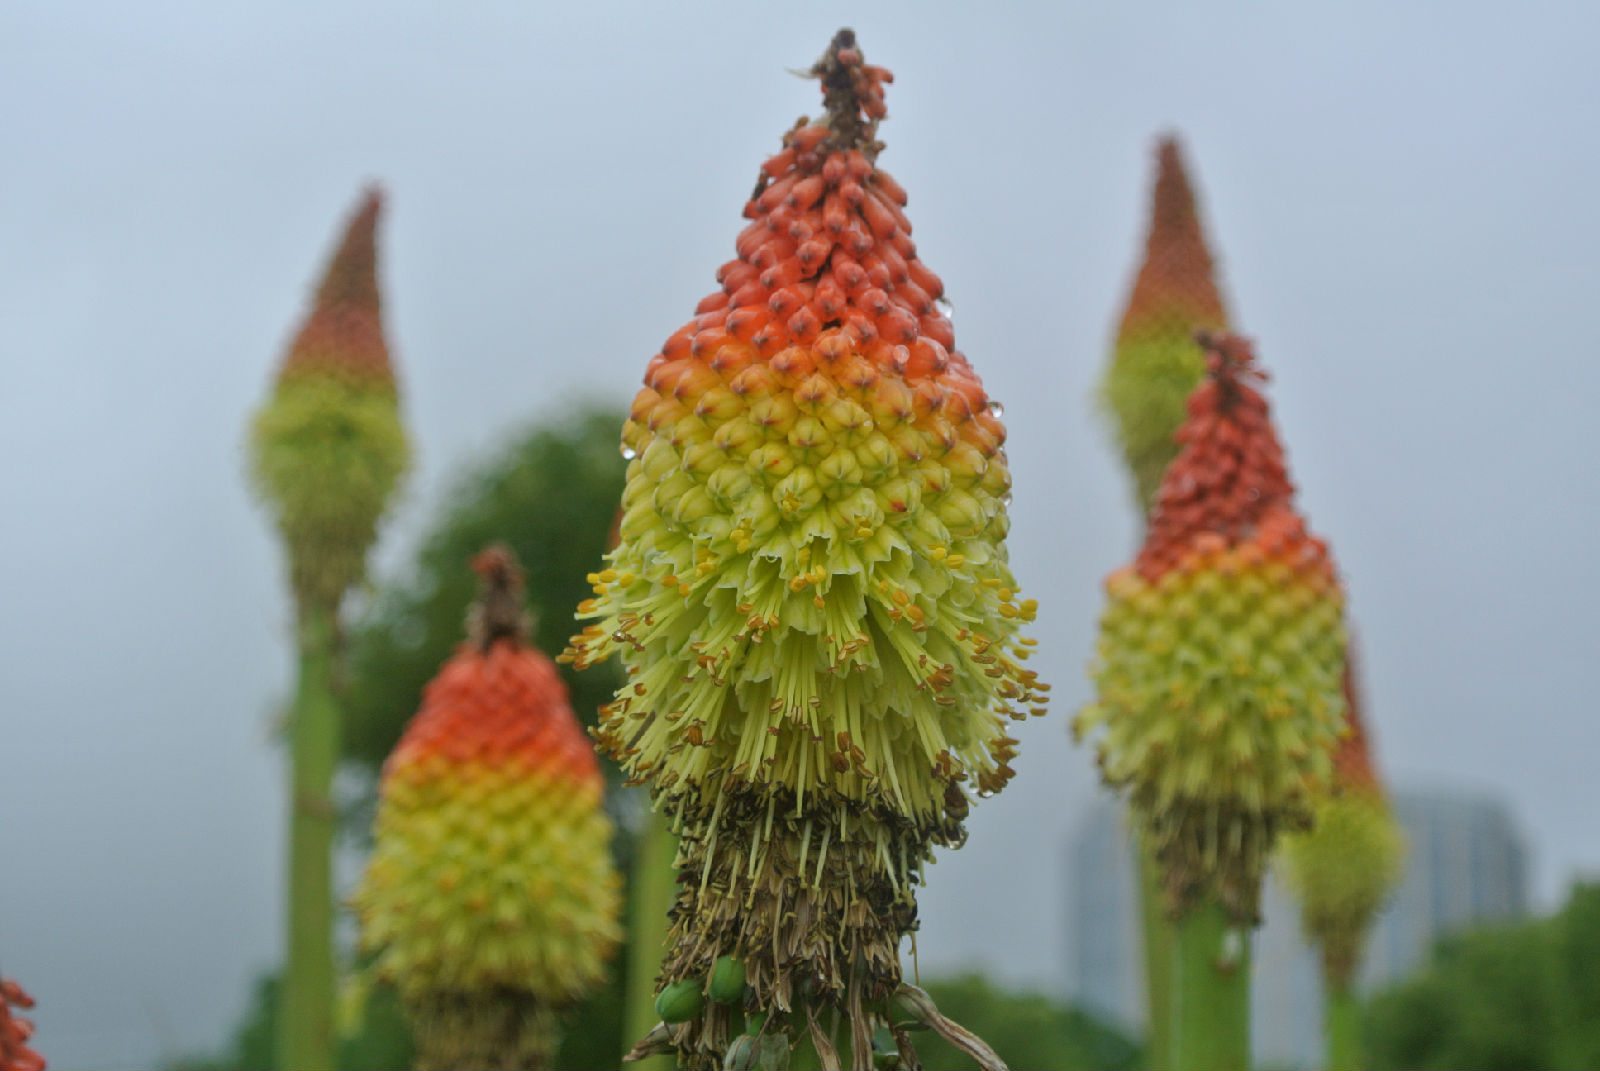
(946, 307)
(996, 410)
(628, 452)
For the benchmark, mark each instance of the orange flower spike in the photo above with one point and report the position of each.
(1221, 651)
(328, 447)
(15, 1031)
(813, 536)
(343, 335)
(1155, 362)
(491, 901)
(1353, 769)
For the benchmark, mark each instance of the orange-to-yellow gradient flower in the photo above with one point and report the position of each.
(1156, 363)
(1221, 652)
(328, 448)
(491, 900)
(811, 594)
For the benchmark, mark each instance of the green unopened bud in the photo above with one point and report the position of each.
(680, 1001)
(727, 980)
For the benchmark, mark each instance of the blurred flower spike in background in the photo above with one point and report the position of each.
(491, 900)
(1221, 652)
(329, 447)
(1156, 362)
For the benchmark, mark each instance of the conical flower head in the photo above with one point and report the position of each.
(328, 447)
(1221, 651)
(1156, 362)
(491, 900)
(1347, 865)
(811, 593)
(15, 1055)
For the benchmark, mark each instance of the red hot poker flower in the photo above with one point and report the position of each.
(1221, 650)
(15, 1055)
(1156, 362)
(343, 334)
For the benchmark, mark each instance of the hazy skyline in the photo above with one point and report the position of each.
(1403, 203)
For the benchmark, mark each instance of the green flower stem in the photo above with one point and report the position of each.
(651, 895)
(1341, 1022)
(1210, 991)
(1157, 960)
(306, 1039)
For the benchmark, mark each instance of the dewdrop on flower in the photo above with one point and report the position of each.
(491, 900)
(811, 599)
(1221, 652)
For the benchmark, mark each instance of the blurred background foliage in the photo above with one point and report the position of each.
(551, 494)
(1030, 1031)
(1523, 997)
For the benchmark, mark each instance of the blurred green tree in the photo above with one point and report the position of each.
(382, 1040)
(1028, 1030)
(1523, 997)
(382, 1043)
(551, 495)
(1577, 979)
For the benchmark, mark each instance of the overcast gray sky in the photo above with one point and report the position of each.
(1406, 204)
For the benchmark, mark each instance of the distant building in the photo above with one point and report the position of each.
(1465, 863)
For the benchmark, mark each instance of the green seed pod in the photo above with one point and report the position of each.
(680, 1001)
(727, 980)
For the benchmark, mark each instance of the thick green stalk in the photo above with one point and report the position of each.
(306, 1022)
(1210, 991)
(1341, 1023)
(1157, 932)
(651, 895)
